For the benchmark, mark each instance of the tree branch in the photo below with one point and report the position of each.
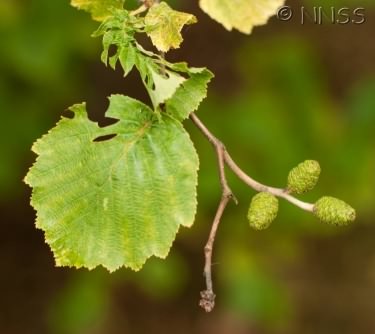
(207, 301)
(282, 193)
(278, 192)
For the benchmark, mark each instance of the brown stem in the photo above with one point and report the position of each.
(207, 301)
(283, 193)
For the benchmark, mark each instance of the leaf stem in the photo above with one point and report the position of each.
(146, 5)
(139, 10)
(150, 3)
(207, 301)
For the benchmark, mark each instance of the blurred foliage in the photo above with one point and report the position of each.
(282, 111)
(163, 279)
(250, 291)
(83, 305)
(43, 45)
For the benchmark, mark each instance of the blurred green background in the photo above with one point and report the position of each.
(286, 93)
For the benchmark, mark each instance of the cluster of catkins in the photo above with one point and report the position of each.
(301, 179)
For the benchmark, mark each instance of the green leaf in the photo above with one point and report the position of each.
(160, 82)
(127, 56)
(119, 30)
(165, 24)
(114, 202)
(242, 15)
(99, 9)
(190, 94)
(180, 87)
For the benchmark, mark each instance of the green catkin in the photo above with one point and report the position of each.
(333, 211)
(263, 210)
(304, 177)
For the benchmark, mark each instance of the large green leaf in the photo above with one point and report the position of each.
(242, 15)
(99, 9)
(165, 25)
(114, 202)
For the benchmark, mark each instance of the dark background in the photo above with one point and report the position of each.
(287, 93)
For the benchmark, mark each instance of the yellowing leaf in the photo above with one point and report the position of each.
(165, 26)
(99, 9)
(242, 15)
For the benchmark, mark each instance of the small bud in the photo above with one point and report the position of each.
(331, 210)
(304, 177)
(263, 210)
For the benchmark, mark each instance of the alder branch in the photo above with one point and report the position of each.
(207, 301)
(278, 192)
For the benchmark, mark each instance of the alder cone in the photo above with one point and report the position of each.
(263, 210)
(304, 177)
(333, 211)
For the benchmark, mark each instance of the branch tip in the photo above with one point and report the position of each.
(207, 301)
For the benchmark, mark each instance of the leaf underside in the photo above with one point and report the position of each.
(242, 15)
(114, 202)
